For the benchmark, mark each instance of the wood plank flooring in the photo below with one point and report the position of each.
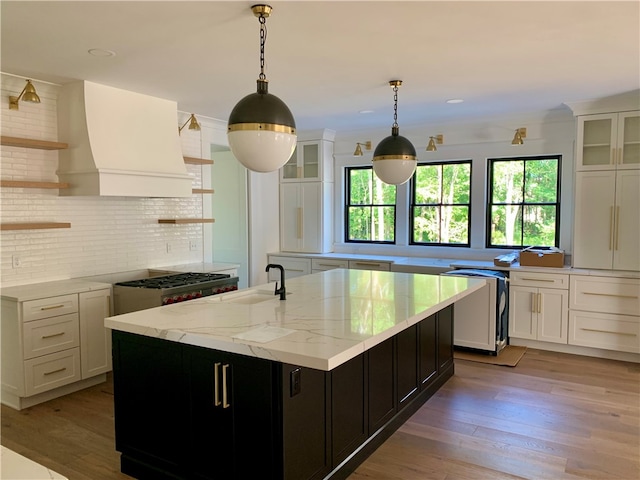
(554, 416)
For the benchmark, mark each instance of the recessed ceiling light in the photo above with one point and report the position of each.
(100, 52)
(455, 100)
(364, 112)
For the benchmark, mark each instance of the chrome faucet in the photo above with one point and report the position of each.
(282, 291)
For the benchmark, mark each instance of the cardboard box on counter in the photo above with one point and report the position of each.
(542, 257)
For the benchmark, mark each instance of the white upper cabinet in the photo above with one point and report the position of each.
(312, 160)
(608, 141)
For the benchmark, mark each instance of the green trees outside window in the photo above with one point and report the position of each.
(370, 207)
(440, 204)
(524, 202)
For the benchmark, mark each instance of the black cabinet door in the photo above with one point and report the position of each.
(445, 337)
(305, 428)
(149, 404)
(427, 331)
(348, 408)
(210, 424)
(382, 397)
(407, 365)
(232, 428)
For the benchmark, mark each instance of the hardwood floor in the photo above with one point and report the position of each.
(554, 416)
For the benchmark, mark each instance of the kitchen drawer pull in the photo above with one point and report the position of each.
(51, 335)
(294, 270)
(216, 389)
(55, 371)
(368, 264)
(537, 280)
(52, 307)
(328, 265)
(628, 334)
(225, 403)
(610, 295)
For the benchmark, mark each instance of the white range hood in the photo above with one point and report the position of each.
(121, 143)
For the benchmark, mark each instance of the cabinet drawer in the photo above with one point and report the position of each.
(49, 307)
(539, 279)
(293, 267)
(50, 335)
(52, 371)
(369, 265)
(605, 294)
(601, 330)
(328, 264)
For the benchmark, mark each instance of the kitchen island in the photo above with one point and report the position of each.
(244, 385)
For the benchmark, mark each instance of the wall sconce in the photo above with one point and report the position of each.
(433, 141)
(28, 94)
(193, 124)
(520, 134)
(358, 152)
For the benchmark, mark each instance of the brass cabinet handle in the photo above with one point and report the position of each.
(368, 264)
(533, 303)
(628, 334)
(610, 228)
(225, 398)
(216, 396)
(55, 371)
(299, 223)
(617, 230)
(539, 303)
(612, 159)
(537, 280)
(610, 295)
(51, 335)
(52, 307)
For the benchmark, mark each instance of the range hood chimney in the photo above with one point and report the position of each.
(120, 143)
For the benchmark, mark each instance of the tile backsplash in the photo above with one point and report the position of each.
(107, 234)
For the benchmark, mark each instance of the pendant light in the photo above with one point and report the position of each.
(394, 159)
(261, 128)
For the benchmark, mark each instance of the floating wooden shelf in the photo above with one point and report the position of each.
(183, 221)
(31, 184)
(33, 226)
(197, 161)
(202, 190)
(32, 143)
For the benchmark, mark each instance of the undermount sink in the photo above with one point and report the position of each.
(248, 298)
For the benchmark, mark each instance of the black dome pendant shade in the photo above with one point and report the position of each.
(395, 147)
(264, 109)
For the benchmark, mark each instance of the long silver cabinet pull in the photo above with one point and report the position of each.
(216, 389)
(53, 335)
(52, 307)
(225, 398)
(55, 371)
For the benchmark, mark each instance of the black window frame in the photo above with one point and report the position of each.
(413, 204)
(347, 204)
(490, 204)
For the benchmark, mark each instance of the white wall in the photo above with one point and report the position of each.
(547, 133)
(107, 234)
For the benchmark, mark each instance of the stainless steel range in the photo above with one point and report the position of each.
(168, 289)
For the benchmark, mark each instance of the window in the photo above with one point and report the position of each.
(440, 204)
(370, 211)
(524, 202)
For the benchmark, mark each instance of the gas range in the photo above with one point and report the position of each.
(168, 289)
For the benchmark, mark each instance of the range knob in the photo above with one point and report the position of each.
(168, 301)
(198, 294)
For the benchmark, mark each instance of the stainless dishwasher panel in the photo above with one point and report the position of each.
(479, 319)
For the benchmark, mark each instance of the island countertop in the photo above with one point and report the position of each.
(327, 319)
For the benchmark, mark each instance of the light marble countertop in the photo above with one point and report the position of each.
(14, 466)
(327, 319)
(33, 291)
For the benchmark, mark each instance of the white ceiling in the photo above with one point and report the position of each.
(329, 60)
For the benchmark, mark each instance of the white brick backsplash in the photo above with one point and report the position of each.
(107, 234)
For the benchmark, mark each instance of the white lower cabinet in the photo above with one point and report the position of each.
(605, 313)
(95, 339)
(538, 306)
(53, 345)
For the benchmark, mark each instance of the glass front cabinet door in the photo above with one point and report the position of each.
(608, 141)
(304, 163)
